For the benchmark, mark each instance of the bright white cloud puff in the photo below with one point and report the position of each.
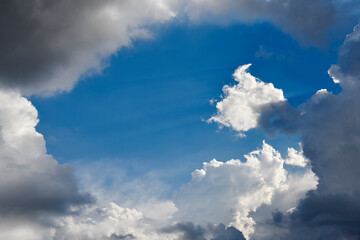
(227, 192)
(242, 104)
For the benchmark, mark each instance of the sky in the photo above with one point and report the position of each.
(179, 119)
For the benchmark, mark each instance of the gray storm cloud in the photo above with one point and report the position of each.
(47, 45)
(330, 132)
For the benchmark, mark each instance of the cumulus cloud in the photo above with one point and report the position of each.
(330, 134)
(227, 192)
(110, 222)
(31, 180)
(47, 45)
(252, 103)
(296, 158)
(40, 199)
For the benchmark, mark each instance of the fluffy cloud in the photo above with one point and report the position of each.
(227, 192)
(31, 181)
(110, 222)
(47, 45)
(40, 199)
(330, 132)
(308, 20)
(252, 103)
(296, 158)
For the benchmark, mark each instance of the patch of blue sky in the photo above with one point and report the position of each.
(145, 111)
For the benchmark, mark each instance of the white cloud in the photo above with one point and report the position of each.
(296, 158)
(242, 104)
(110, 222)
(227, 192)
(31, 181)
(40, 198)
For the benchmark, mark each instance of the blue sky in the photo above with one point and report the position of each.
(146, 110)
(179, 119)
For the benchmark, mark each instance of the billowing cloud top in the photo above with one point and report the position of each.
(330, 130)
(252, 103)
(228, 192)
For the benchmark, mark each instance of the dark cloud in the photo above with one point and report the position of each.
(53, 192)
(124, 237)
(221, 232)
(190, 231)
(349, 56)
(321, 216)
(330, 129)
(279, 117)
(46, 45)
(329, 125)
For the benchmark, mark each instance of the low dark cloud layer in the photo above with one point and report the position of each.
(190, 231)
(124, 237)
(53, 192)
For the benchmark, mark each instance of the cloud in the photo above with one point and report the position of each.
(331, 138)
(190, 231)
(252, 103)
(48, 45)
(40, 199)
(110, 222)
(31, 181)
(296, 158)
(346, 72)
(308, 20)
(330, 132)
(227, 192)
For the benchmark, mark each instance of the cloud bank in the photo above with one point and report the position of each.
(48, 45)
(330, 130)
(227, 192)
(40, 198)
